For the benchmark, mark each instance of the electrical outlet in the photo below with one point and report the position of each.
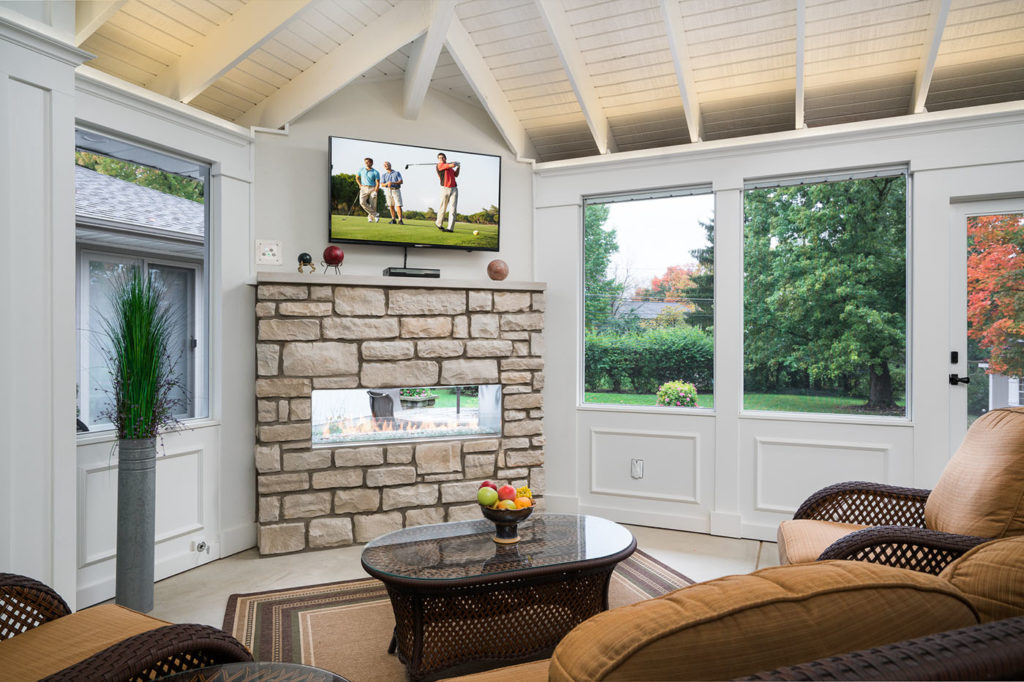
(268, 252)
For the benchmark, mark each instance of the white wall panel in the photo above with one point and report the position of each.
(669, 463)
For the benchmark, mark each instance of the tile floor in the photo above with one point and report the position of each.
(200, 595)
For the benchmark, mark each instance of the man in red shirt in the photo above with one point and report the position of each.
(446, 173)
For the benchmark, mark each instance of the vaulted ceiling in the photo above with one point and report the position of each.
(573, 78)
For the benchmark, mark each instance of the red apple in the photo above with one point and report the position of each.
(488, 484)
(506, 492)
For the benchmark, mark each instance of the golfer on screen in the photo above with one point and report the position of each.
(446, 173)
(369, 185)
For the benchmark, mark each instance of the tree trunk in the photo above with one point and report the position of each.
(880, 390)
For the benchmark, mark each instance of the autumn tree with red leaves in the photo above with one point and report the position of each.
(995, 282)
(671, 286)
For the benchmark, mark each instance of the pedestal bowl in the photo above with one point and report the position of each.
(506, 522)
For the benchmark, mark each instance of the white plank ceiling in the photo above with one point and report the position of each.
(572, 78)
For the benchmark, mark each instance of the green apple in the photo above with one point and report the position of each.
(487, 496)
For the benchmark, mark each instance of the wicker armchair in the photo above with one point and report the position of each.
(992, 651)
(979, 497)
(28, 605)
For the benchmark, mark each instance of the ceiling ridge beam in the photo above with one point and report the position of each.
(223, 48)
(552, 13)
(801, 39)
(467, 57)
(399, 26)
(424, 56)
(923, 77)
(91, 14)
(673, 18)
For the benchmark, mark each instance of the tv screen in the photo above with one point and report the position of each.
(405, 195)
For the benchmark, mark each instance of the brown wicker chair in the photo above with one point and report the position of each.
(979, 497)
(992, 651)
(27, 605)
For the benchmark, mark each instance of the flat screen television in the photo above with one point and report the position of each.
(477, 178)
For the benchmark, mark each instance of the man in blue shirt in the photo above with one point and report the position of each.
(369, 185)
(391, 181)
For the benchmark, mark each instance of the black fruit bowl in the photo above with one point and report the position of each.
(506, 522)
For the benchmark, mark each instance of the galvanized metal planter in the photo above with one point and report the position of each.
(136, 523)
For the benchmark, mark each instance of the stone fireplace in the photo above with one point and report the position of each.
(374, 336)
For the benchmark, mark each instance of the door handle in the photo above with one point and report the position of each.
(955, 379)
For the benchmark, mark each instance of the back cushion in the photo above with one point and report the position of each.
(741, 624)
(981, 491)
(992, 577)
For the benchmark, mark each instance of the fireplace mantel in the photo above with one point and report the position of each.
(319, 277)
(317, 331)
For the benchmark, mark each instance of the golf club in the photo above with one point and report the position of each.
(429, 164)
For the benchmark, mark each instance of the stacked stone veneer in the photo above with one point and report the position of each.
(333, 336)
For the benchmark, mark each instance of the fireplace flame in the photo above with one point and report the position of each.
(340, 428)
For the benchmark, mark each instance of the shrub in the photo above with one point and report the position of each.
(677, 394)
(646, 359)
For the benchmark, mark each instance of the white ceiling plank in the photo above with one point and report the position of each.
(801, 34)
(382, 36)
(552, 13)
(684, 74)
(423, 60)
(91, 14)
(923, 77)
(465, 53)
(224, 48)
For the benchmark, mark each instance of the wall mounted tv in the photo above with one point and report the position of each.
(477, 178)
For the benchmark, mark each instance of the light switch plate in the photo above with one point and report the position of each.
(268, 252)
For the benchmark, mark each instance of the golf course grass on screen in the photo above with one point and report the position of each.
(477, 201)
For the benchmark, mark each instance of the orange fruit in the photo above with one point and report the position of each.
(522, 502)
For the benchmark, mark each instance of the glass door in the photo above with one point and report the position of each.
(988, 311)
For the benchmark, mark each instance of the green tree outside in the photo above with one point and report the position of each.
(168, 183)
(600, 292)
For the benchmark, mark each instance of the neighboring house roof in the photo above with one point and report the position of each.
(110, 199)
(648, 310)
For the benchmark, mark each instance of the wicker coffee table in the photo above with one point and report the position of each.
(463, 602)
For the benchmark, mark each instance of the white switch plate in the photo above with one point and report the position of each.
(268, 252)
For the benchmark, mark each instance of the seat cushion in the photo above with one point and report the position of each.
(992, 577)
(777, 616)
(981, 490)
(535, 671)
(802, 540)
(55, 645)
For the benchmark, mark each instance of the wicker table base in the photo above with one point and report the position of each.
(485, 618)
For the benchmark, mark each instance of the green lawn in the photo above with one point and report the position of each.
(773, 402)
(446, 398)
(415, 231)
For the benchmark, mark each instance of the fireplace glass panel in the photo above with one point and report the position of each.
(364, 415)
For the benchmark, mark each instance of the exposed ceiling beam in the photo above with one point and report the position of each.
(467, 57)
(223, 48)
(801, 34)
(681, 60)
(91, 14)
(424, 58)
(552, 12)
(923, 77)
(399, 26)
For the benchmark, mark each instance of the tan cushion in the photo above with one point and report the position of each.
(992, 577)
(981, 491)
(802, 540)
(778, 616)
(536, 671)
(55, 645)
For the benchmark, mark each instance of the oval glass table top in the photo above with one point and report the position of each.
(465, 549)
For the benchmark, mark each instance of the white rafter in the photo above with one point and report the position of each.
(424, 56)
(552, 12)
(223, 48)
(801, 35)
(467, 57)
(399, 26)
(923, 77)
(673, 16)
(91, 14)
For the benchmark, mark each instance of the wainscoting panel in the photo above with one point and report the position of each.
(668, 459)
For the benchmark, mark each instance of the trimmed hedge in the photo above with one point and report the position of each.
(645, 360)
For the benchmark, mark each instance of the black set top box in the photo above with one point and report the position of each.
(412, 272)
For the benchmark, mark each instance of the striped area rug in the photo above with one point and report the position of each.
(345, 627)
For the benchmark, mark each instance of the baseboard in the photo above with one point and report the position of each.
(237, 539)
(693, 524)
(761, 531)
(105, 588)
(727, 524)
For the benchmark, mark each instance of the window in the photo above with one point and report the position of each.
(134, 215)
(825, 294)
(648, 283)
